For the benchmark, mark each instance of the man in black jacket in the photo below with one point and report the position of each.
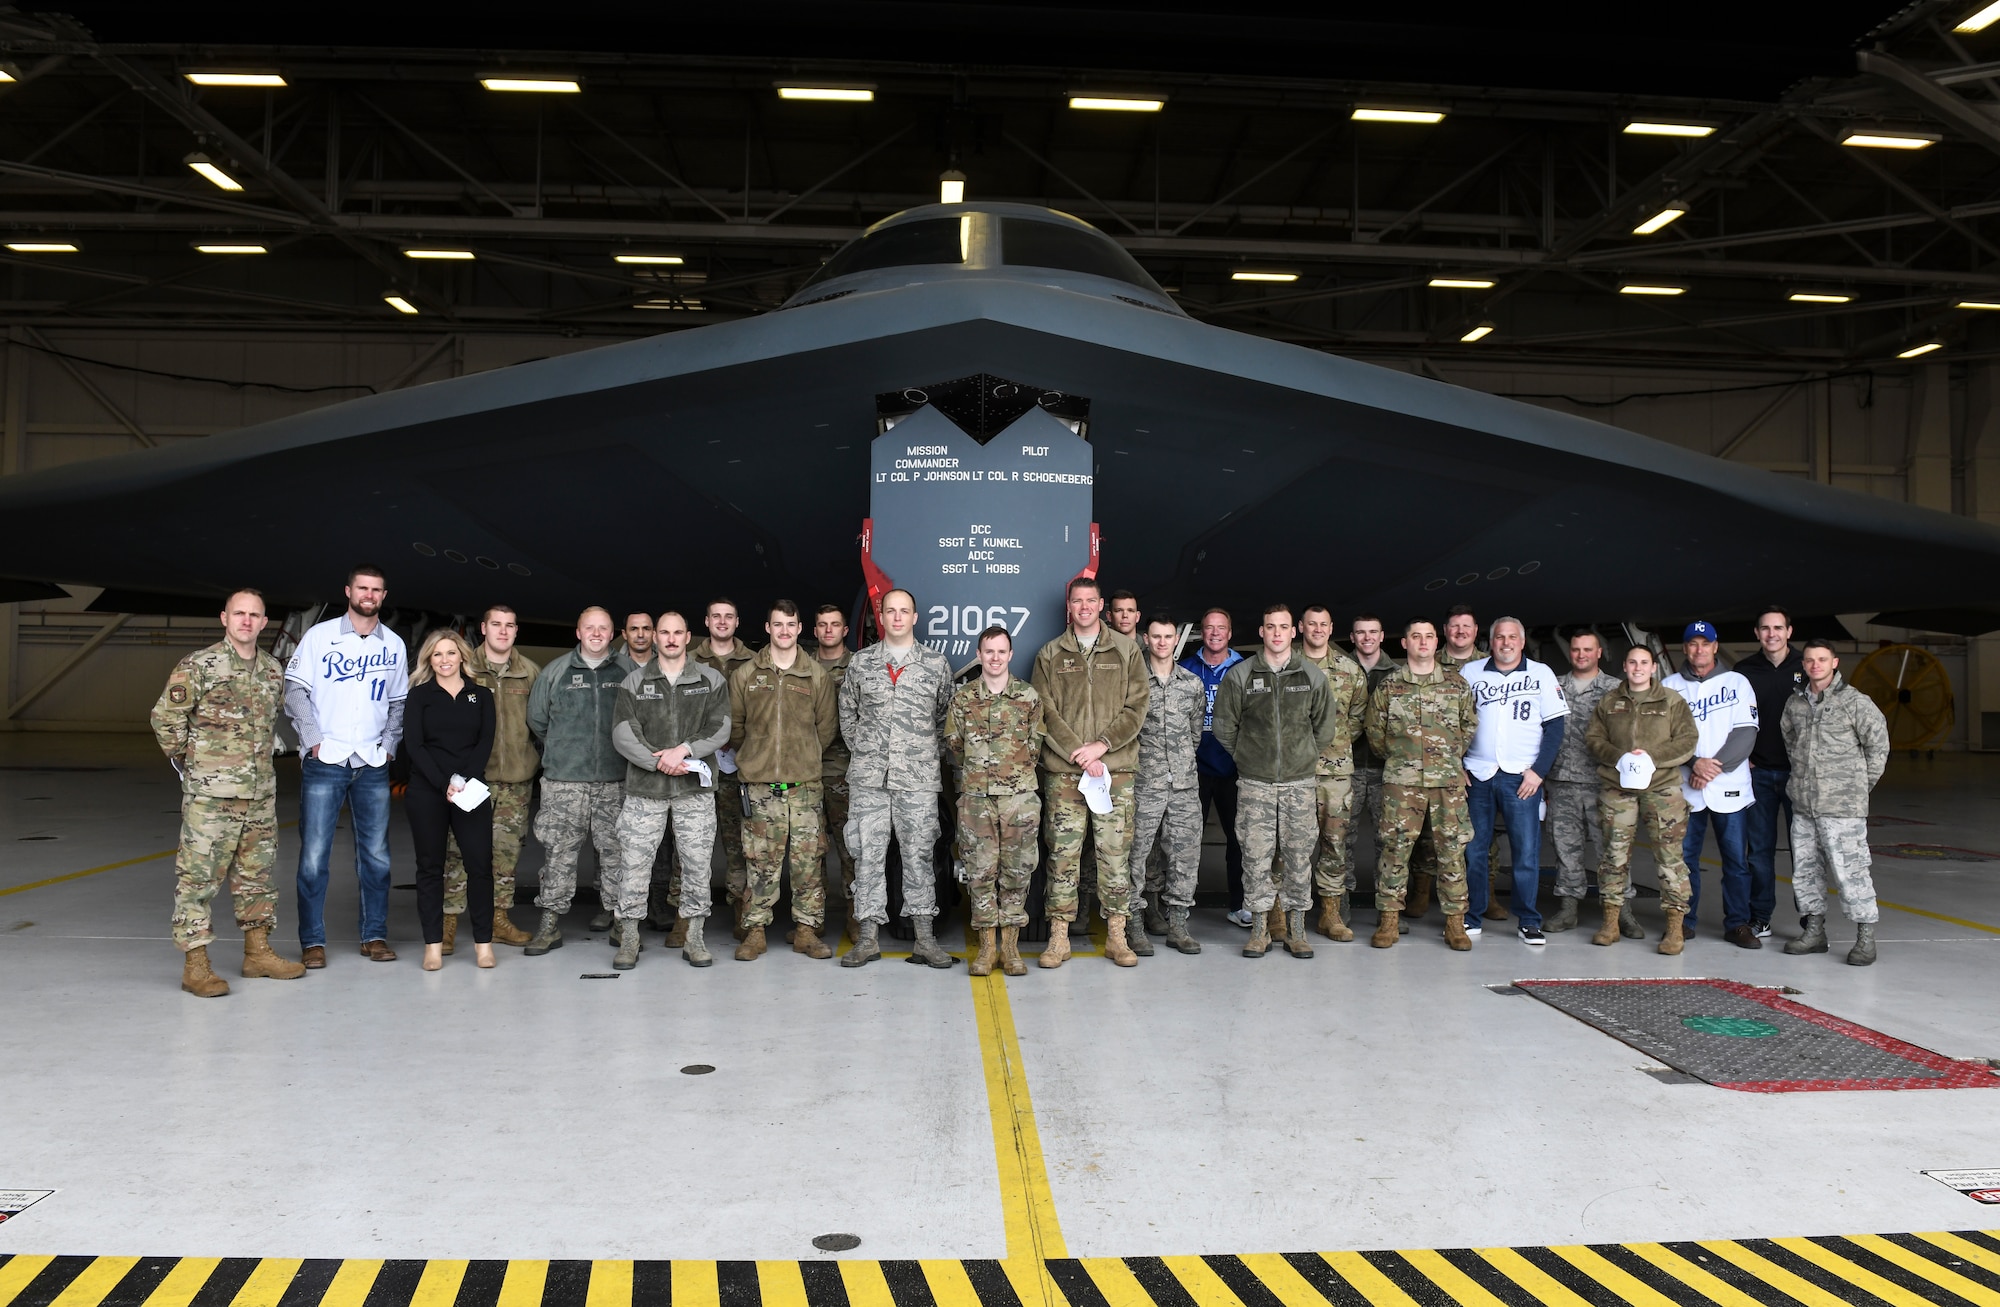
(1775, 673)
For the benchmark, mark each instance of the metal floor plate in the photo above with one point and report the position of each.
(1737, 1036)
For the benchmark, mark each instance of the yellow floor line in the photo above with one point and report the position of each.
(1540, 1285)
(862, 1280)
(1461, 1287)
(610, 1285)
(1277, 1275)
(1376, 1287)
(16, 1274)
(1201, 1282)
(1767, 1272)
(1629, 1288)
(950, 1285)
(1121, 1288)
(692, 1284)
(523, 1287)
(190, 1273)
(1027, 1206)
(1692, 1275)
(1924, 1268)
(98, 1279)
(109, 866)
(1848, 1272)
(437, 1287)
(780, 1284)
(1964, 1251)
(267, 1284)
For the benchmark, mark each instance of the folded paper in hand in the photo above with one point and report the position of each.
(1096, 792)
(474, 794)
(701, 769)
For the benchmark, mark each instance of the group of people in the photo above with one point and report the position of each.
(1102, 768)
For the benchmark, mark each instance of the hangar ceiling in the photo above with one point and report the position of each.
(678, 145)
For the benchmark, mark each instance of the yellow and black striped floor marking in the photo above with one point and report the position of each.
(1889, 1270)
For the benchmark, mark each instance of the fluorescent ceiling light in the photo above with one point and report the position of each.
(1819, 297)
(851, 94)
(1637, 289)
(1462, 283)
(437, 254)
(1118, 103)
(1892, 140)
(951, 187)
(204, 165)
(1365, 115)
(231, 249)
(5, 76)
(682, 306)
(1263, 276)
(1976, 304)
(1981, 19)
(41, 247)
(1924, 348)
(646, 258)
(547, 85)
(235, 78)
(1669, 129)
(1672, 213)
(1480, 332)
(398, 303)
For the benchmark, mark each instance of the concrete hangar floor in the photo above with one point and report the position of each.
(1403, 1127)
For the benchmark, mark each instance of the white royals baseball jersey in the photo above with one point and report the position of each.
(1512, 707)
(352, 679)
(1720, 704)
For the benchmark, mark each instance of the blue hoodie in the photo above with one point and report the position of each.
(1210, 758)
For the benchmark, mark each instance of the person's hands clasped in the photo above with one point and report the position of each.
(1089, 757)
(672, 762)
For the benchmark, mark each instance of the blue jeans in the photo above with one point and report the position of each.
(1730, 828)
(323, 788)
(1487, 801)
(1768, 784)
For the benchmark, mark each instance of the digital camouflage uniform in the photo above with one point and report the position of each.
(728, 788)
(1276, 723)
(1420, 726)
(570, 709)
(215, 719)
(780, 721)
(1166, 792)
(892, 719)
(1571, 792)
(833, 783)
(1333, 867)
(654, 714)
(1365, 808)
(1839, 745)
(996, 739)
(510, 775)
(1659, 721)
(1094, 697)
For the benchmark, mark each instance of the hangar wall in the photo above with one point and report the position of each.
(1919, 434)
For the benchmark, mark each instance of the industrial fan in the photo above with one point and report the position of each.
(1911, 688)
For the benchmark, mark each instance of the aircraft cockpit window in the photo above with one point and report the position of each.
(933, 240)
(1027, 243)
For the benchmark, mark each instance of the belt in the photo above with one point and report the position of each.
(779, 787)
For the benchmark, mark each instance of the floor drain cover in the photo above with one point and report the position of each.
(837, 1243)
(702, 1069)
(1737, 1036)
(1934, 853)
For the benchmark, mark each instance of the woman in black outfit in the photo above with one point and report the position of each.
(448, 726)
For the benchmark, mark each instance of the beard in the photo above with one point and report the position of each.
(365, 607)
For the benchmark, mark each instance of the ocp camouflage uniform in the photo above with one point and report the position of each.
(1348, 685)
(833, 782)
(995, 739)
(728, 785)
(1276, 723)
(1366, 807)
(1424, 859)
(510, 775)
(1090, 698)
(215, 720)
(780, 720)
(1420, 726)
(892, 719)
(1658, 721)
(1839, 745)
(656, 713)
(1571, 792)
(1166, 792)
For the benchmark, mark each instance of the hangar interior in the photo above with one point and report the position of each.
(1770, 238)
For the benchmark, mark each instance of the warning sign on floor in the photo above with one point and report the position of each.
(15, 1201)
(1979, 1186)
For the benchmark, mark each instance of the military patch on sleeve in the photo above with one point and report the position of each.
(177, 693)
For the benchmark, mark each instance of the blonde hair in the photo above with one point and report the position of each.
(422, 671)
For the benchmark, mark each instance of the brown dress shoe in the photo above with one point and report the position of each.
(378, 950)
(315, 957)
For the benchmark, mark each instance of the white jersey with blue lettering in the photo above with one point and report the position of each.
(1512, 707)
(352, 678)
(1720, 704)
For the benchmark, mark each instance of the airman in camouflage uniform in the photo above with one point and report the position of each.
(214, 721)
(510, 775)
(1419, 723)
(1839, 746)
(830, 636)
(892, 709)
(1167, 795)
(995, 737)
(728, 789)
(1658, 722)
(1572, 788)
(1366, 807)
(1333, 868)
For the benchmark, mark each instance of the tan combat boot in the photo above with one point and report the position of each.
(739, 909)
(752, 946)
(1454, 933)
(259, 960)
(198, 979)
(982, 965)
(450, 933)
(1330, 924)
(1260, 936)
(1385, 929)
(1419, 899)
(677, 934)
(1671, 945)
(1297, 942)
(1010, 951)
(504, 929)
(806, 940)
(1116, 947)
(1608, 934)
(1056, 951)
(1274, 924)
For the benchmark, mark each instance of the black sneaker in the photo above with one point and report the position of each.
(1761, 929)
(1530, 935)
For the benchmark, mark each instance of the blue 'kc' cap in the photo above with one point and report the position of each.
(1700, 630)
